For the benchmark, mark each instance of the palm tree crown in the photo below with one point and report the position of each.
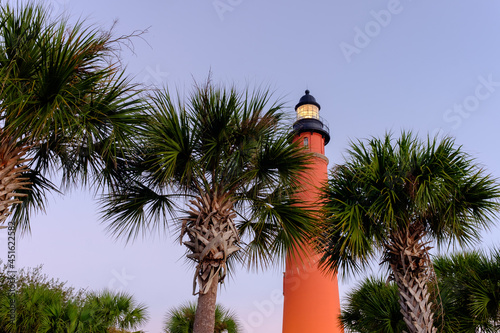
(181, 320)
(394, 196)
(65, 106)
(470, 289)
(372, 307)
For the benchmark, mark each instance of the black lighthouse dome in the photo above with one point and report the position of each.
(308, 119)
(307, 99)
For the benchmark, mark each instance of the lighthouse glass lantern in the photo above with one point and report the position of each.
(308, 111)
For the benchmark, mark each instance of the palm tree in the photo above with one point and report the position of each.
(181, 320)
(373, 307)
(231, 158)
(64, 106)
(116, 310)
(471, 281)
(395, 197)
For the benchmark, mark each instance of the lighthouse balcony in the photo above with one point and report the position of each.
(305, 123)
(318, 125)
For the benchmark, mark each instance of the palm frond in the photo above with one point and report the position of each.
(33, 200)
(277, 224)
(135, 208)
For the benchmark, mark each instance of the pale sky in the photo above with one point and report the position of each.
(374, 66)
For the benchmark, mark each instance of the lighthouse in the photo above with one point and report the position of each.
(311, 297)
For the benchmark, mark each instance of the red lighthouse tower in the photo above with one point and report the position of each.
(311, 297)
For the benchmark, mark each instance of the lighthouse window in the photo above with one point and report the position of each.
(308, 111)
(306, 142)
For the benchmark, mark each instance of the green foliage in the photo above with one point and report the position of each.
(373, 307)
(469, 284)
(64, 96)
(44, 305)
(181, 320)
(117, 310)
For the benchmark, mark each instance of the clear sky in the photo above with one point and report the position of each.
(374, 66)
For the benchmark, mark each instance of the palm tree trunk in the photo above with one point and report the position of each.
(11, 169)
(408, 258)
(204, 320)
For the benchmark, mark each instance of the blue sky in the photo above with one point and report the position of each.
(374, 66)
